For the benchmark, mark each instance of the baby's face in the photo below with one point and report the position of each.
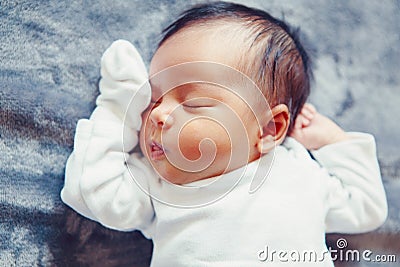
(195, 130)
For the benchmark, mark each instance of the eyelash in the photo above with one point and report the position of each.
(157, 103)
(198, 103)
(196, 106)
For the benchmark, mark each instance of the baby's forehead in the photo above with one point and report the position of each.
(201, 77)
(195, 90)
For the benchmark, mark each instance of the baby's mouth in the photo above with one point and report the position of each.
(156, 151)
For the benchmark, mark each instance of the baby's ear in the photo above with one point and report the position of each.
(274, 132)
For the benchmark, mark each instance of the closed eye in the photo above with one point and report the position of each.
(199, 103)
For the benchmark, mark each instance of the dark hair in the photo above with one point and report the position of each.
(280, 64)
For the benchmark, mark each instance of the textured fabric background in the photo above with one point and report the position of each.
(49, 68)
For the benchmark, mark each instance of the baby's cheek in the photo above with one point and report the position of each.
(205, 135)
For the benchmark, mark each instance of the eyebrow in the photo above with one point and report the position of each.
(200, 87)
(203, 89)
(210, 89)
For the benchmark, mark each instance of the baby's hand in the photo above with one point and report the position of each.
(314, 130)
(124, 88)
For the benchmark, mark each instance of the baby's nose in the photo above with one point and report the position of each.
(161, 115)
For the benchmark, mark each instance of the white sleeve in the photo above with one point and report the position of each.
(356, 199)
(98, 183)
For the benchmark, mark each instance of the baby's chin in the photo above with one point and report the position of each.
(178, 177)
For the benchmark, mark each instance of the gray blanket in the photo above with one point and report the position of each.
(49, 69)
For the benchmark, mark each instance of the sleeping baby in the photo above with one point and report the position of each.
(231, 160)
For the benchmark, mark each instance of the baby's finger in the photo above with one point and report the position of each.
(307, 114)
(301, 122)
(306, 122)
(308, 111)
(310, 108)
(298, 124)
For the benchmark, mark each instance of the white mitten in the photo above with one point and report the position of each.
(124, 87)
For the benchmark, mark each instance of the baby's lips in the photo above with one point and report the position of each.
(156, 146)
